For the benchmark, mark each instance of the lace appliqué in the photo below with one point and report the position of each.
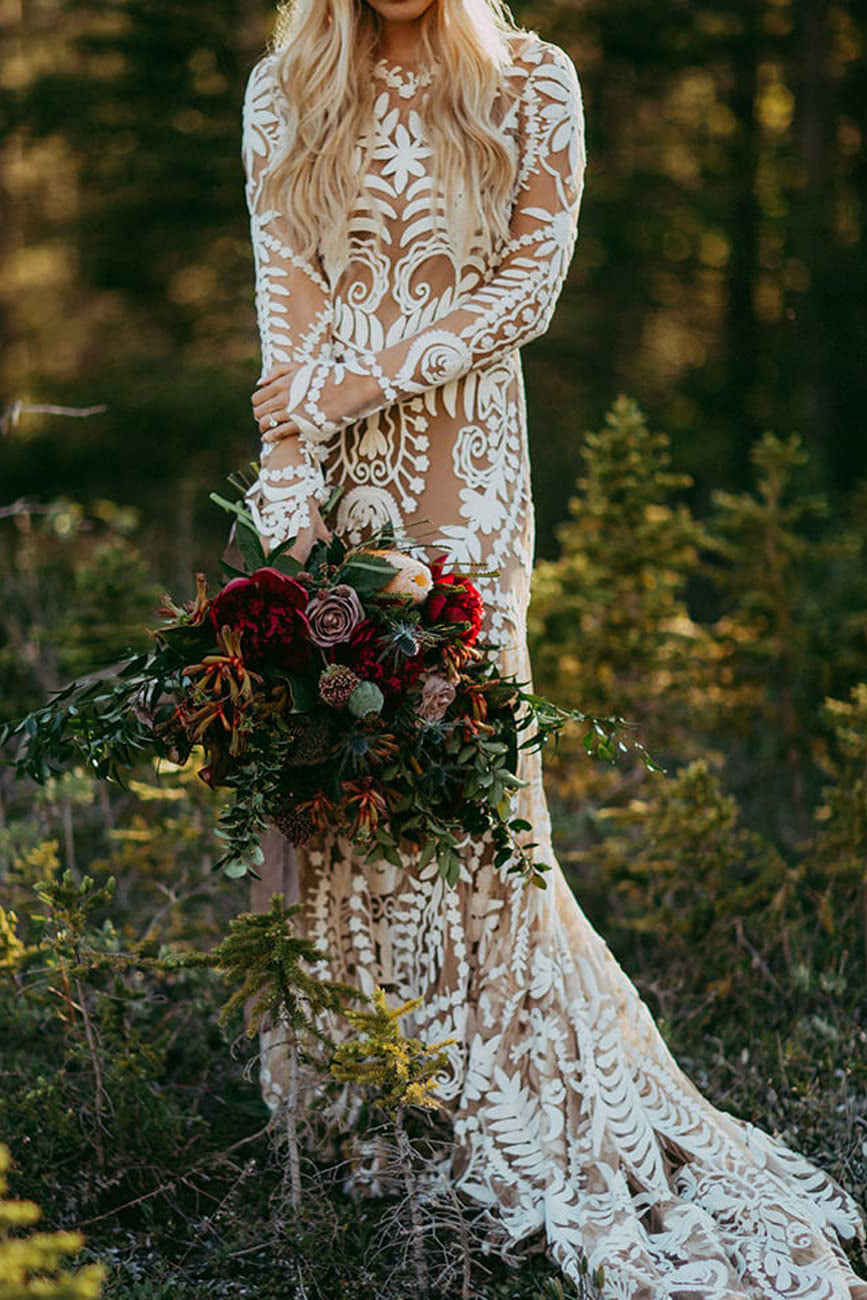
(405, 81)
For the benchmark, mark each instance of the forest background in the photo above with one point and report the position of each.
(708, 581)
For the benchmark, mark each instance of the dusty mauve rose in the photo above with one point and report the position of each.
(267, 608)
(437, 693)
(334, 615)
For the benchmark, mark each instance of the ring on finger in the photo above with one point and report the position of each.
(273, 422)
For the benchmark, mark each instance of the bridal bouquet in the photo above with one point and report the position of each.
(353, 694)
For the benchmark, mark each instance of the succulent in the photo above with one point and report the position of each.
(366, 698)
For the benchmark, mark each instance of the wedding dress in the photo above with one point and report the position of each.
(569, 1113)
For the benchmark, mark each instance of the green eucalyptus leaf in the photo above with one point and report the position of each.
(252, 551)
(428, 851)
(286, 564)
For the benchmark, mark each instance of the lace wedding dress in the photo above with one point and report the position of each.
(569, 1113)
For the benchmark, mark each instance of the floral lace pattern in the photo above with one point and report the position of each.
(570, 1115)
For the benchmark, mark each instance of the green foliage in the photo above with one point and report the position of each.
(71, 906)
(267, 962)
(108, 1050)
(767, 561)
(113, 598)
(732, 891)
(741, 922)
(77, 595)
(401, 1071)
(691, 881)
(609, 622)
(30, 1266)
(836, 854)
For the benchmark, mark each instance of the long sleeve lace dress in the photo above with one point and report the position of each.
(569, 1113)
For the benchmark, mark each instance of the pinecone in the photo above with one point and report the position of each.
(296, 826)
(337, 684)
(313, 736)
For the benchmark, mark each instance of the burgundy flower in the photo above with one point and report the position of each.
(268, 609)
(394, 674)
(454, 599)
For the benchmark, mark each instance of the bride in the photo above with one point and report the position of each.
(414, 173)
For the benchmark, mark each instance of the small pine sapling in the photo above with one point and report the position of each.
(30, 1265)
(269, 965)
(401, 1072)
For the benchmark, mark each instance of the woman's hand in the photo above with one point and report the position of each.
(307, 537)
(271, 402)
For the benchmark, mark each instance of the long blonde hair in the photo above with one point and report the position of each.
(326, 50)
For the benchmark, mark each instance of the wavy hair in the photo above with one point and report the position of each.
(325, 52)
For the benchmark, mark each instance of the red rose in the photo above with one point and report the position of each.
(268, 610)
(454, 599)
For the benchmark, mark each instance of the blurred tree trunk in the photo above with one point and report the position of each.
(811, 242)
(741, 325)
(251, 31)
(11, 211)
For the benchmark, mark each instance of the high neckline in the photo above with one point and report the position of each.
(405, 78)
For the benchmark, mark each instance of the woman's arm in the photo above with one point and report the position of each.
(294, 314)
(515, 303)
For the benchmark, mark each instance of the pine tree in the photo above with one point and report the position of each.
(768, 570)
(609, 628)
(613, 603)
(268, 964)
(30, 1266)
(689, 883)
(836, 857)
(401, 1072)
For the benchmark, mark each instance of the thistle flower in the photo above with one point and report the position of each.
(370, 748)
(403, 638)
